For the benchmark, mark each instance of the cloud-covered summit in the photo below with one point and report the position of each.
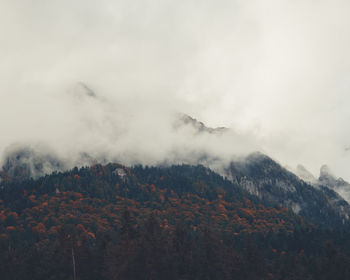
(275, 72)
(100, 130)
(198, 126)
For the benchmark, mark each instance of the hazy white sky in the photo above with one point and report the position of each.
(276, 71)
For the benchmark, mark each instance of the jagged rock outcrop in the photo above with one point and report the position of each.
(268, 180)
(305, 174)
(339, 185)
(21, 163)
(199, 127)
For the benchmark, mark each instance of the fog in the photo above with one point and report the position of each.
(110, 78)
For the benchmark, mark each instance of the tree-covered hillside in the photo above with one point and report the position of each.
(178, 222)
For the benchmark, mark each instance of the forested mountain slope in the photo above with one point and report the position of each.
(263, 177)
(191, 194)
(178, 222)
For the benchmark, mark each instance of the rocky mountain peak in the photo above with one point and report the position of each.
(325, 172)
(304, 174)
(186, 120)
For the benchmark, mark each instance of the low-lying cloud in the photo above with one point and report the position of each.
(108, 78)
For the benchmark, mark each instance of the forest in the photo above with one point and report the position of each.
(177, 222)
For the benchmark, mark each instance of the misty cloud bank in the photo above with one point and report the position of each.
(100, 131)
(107, 80)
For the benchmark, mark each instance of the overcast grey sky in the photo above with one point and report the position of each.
(276, 71)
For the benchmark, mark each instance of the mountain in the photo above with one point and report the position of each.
(107, 214)
(326, 179)
(252, 220)
(259, 175)
(81, 89)
(199, 127)
(268, 180)
(305, 174)
(32, 162)
(26, 162)
(189, 193)
(339, 185)
(320, 201)
(176, 222)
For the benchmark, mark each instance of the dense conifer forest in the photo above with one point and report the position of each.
(178, 222)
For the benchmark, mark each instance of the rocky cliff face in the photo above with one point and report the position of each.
(268, 180)
(323, 200)
(305, 174)
(198, 127)
(27, 162)
(339, 185)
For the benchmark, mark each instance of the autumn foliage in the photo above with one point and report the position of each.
(183, 220)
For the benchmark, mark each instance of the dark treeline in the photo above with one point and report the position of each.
(151, 252)
(181, 222)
